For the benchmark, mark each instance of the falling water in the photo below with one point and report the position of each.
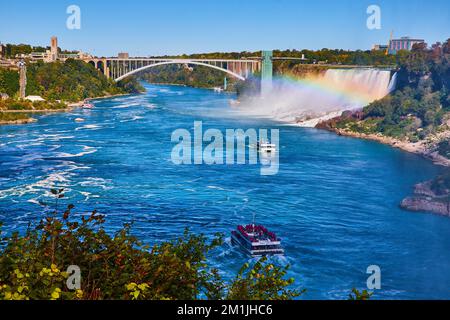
(309, 100)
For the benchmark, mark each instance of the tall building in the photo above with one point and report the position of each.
(404, 43)
(54, 49)
(379, 47)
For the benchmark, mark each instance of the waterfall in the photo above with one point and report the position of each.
(371, 84)
(393, 83)
(319, 97)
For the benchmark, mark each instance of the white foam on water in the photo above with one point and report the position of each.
(149, 105)
(60, 176)
(35, 201)
(89, 127)
(96, 182)
(86, 150)
(316, 120)
(40, 187)
(87, 195)
(127, 105)
(134, 118)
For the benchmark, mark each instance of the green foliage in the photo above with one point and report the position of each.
(70, 81)
(360, 295)
(199, 77)
(130, 85)
(420, 103)
(12, 50)
(17, 49)
(7, 117)
(17, 105)
(262, 282)
(9, 81)
(366, 127)
(441, 185)
(444, 148)
(119, 266)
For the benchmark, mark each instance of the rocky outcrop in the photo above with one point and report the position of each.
(425, 199)
(433, 205)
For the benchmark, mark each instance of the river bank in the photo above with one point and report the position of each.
(15, 114)
(425, 148)
(425, 196)
(18, 121)
(70, 106)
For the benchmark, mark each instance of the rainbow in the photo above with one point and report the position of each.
(358, 93)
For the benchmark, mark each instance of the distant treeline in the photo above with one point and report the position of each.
(193, 76)
(332, 56)
(68, 81)
(12, 50)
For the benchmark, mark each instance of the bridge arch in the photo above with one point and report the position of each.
(238, 76)
(101, 66)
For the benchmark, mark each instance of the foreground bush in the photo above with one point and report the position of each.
(32, 266)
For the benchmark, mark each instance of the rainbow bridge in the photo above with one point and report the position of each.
(119, 69)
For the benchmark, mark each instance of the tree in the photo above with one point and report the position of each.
(9, 82)
(119, 266)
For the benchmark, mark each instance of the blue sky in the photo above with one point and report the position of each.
(147, 27)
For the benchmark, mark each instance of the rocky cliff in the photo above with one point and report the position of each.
(427, 199)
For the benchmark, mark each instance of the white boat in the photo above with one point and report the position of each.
(79, 120)
(87, 106)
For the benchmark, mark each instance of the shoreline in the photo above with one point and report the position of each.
(20, 121)
(70, 106)
(109, 96)
(419, 148)
(186, 86)
(423, 198)
(80, 103)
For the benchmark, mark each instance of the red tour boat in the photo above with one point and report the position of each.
(256, 240)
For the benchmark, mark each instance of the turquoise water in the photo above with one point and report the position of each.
(334, 201)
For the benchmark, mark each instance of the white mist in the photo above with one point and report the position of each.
(310, 100)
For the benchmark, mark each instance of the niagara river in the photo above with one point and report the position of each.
(334, 202)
